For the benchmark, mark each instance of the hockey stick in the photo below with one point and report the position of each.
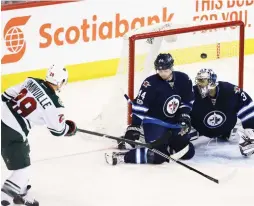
(154, 150)
(176, 156)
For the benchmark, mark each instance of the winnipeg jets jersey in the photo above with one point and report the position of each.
(163, 100)
(218, 116)
(33, 102)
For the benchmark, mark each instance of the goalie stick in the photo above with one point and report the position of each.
(147, 145)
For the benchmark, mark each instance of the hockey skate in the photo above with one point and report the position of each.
(21, 200)
(115, 158)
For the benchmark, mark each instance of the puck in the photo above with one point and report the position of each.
(203, 55)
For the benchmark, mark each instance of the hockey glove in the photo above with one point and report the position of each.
(246, 141)
(133, 133)
(72, 128)
(185, 122)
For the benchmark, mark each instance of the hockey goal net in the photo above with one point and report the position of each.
(221, 46)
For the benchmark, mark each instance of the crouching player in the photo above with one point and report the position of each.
(164, 99)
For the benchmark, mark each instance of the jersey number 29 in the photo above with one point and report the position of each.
(26, 105)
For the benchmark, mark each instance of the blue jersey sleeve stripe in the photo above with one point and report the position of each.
(247, 117)
(139, 108)
(246, 112)
(243, 109)
(147, 119)
(160, 122)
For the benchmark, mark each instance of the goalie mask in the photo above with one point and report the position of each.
(206, 80)
(57, 75)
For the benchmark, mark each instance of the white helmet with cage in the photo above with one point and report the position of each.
(206, 80)
(57, 75)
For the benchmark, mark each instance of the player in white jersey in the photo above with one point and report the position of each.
(33, 102)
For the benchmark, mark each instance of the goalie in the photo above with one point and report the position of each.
(216, 109)
(164, 99)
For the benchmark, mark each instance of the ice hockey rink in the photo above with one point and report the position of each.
(71, 171)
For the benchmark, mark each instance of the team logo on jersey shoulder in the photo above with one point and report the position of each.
(146, 84)
(171, 105)
(214, 119)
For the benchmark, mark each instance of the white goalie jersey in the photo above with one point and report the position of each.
(33, 102)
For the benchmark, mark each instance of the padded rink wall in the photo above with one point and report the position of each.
(87, 35)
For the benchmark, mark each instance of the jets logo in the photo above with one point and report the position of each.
(171, 105)
(214, 119)
(146, 84)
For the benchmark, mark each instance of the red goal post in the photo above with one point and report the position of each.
(135, 37)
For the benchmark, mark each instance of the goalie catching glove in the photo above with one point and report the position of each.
(72, 128)
(246, 141)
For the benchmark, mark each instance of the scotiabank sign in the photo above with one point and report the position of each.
(32, 39)
(91, 31)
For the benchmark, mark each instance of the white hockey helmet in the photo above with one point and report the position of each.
(57, 75)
